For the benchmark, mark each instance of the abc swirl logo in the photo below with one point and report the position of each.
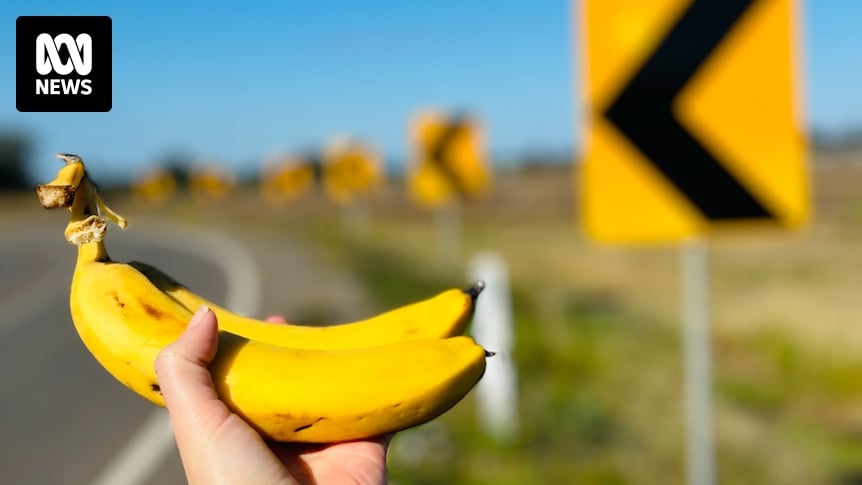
(48, 61)
(71, 68)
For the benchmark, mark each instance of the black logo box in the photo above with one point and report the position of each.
(99, 28)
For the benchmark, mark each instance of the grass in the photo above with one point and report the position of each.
(574, 356)
(598, 350)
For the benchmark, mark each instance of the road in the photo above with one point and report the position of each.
(64, 419)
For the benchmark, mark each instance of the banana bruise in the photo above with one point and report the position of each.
(287, 394)
(444, 315)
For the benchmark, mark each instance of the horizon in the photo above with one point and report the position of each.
(236, 85)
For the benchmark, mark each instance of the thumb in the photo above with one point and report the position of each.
(185, 381)
(215, 445)
(199, 342)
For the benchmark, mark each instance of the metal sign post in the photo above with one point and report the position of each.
(697, 362)
(447, 235)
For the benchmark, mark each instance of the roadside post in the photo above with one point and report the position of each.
(493, 328)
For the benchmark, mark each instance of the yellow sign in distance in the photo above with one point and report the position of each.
(210, 181)
(286, 178)
(350, 169)
(449, 162)
(154, 187)
(693, 117)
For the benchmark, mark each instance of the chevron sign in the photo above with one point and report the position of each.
(693, 121)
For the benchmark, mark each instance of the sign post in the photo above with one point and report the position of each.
(697, 361)
(692, 126)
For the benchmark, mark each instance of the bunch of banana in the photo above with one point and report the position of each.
(291, 382)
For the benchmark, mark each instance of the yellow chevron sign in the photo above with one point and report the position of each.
(286, 178)
(210, 181)
(154, 187)
(448, 160)
(693, 117)
(351, 169)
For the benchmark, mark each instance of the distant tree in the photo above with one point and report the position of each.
(13, 161)
(849, 138)
(177, 162)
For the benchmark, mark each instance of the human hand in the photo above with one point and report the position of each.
(217, 446)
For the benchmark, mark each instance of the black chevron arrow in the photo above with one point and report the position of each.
(439, 152)
(643, 113)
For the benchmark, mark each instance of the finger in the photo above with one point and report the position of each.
(185, 381)
(216, 446)
(199, 342)
(276, 319)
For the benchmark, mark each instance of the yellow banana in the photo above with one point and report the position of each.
(444, 315)
(328, 396)
(288, 394)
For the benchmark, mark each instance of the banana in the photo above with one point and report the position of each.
(329, 396)
(444, 315)
(313, 396)
(286, 392)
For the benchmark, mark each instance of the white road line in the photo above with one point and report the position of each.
(140, 457)
(241, 274)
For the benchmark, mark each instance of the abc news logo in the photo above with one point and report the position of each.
(48, 60)
(63, 64)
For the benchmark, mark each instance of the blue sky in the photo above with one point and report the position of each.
(236, 83)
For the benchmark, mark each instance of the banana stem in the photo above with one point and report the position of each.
(92, 252)
(87, 225)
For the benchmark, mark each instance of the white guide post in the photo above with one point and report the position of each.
(497, 392)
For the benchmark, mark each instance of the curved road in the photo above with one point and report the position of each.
(64, 418)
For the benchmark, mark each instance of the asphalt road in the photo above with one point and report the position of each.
(65, 420)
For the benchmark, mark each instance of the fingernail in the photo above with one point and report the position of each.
(198, 317)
